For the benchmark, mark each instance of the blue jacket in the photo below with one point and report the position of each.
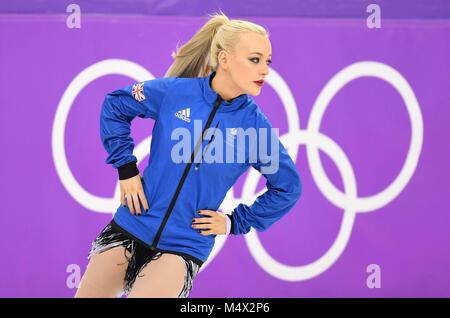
(175, 191)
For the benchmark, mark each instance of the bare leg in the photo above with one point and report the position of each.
(104, 275)
(161, 278)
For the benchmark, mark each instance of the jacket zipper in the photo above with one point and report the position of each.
(185, 173)
(197, 165)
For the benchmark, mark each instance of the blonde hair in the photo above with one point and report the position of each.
(198, 57)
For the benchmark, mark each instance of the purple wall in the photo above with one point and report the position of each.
(399, 9)
(387, 149)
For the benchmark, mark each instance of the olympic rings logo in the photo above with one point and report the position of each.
(311, 137)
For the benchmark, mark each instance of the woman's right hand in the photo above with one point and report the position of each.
(133, 190)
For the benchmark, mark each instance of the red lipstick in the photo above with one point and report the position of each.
(259, 83)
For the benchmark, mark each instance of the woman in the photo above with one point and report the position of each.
(167, 223)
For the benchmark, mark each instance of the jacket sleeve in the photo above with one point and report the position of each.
(284, 186)
(119, 108)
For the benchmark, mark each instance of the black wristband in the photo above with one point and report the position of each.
(128, 170)
(232, 223)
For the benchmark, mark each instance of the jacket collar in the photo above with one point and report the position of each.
(211, 96)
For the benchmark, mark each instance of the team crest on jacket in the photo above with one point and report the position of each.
(138, 92)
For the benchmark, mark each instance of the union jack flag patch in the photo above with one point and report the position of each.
(138, 92)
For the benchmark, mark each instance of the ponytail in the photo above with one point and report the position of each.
(191, 60)
(198, 57)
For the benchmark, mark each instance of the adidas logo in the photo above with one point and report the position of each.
(184, 114)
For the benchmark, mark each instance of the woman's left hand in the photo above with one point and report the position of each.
(213, 223)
